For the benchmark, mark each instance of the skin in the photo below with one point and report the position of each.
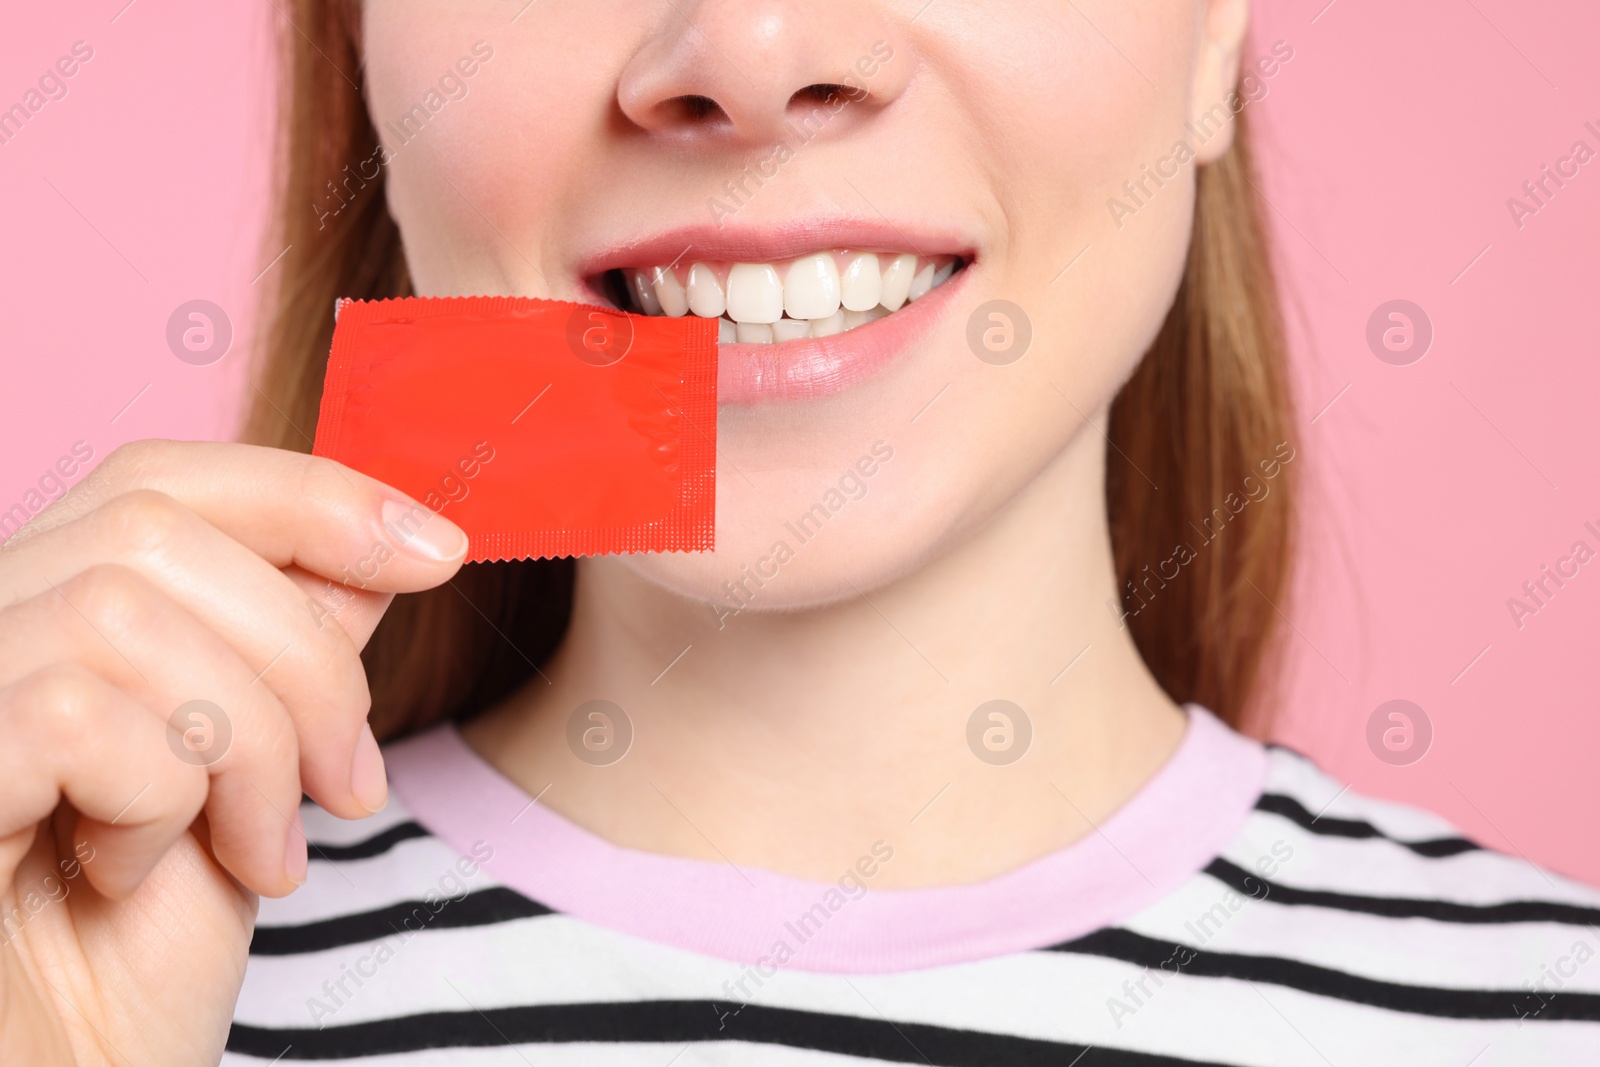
(977, 565)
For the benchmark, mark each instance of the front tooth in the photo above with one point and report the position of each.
(790, 330)
(921, 283)
(753, 333)
(829, 326)
(755, 293)
(861, 284)
(852, 319)
(644, 294)
(705, 292)
(725, 332)
(897, 281)
(669, 293)
(811, 291)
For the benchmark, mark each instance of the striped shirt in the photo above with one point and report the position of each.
(1243, 908)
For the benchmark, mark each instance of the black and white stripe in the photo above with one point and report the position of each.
(681, 1022)
(1334, 929)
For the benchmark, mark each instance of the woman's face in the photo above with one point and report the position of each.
(779, 159)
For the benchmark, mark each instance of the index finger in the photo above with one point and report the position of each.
(289, 508)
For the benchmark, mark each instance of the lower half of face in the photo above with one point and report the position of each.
(935, 247)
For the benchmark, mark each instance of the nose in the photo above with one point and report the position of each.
(750, 70)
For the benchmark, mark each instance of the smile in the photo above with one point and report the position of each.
(815, 295)
(805, 308)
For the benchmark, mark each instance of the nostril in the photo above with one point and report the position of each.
(694, 107)
(825, 93)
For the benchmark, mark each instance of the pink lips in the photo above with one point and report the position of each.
(819, 367)
(750, 374)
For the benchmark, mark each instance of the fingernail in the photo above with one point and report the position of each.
(423, 533)
(294, 851)
(367, 779)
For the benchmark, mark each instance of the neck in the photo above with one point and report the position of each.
(793, 741)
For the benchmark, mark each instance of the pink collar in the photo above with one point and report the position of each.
(1171, 828)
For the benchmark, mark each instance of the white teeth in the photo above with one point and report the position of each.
(852, 319)
(829, 326)
(644, 292)
(921, 283)
(670, 294)
(861, 285)
(790, 330)
(897, 281)
(705, 292)
(755, 293)
(771, 303)
(811, 291)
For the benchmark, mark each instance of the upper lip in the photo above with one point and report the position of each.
(734, 243)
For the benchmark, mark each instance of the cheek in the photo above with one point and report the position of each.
(480, 191)
(1098, 277)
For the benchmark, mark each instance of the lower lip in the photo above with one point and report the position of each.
(750, 374)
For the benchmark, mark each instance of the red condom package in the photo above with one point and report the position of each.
(541, 428)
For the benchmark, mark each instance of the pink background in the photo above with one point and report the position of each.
(1391, 143)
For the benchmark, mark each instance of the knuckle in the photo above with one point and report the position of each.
(145, 520)
(320, 478)
(348, 690)
(60, 699)
(125, 463)
(116, 599)
(341, 686)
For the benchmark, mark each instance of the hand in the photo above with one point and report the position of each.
(132, 850)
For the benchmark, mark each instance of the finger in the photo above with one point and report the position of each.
(191, 683)
(287, 507)
(357, 611)
(71, 734)
(283, 635)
